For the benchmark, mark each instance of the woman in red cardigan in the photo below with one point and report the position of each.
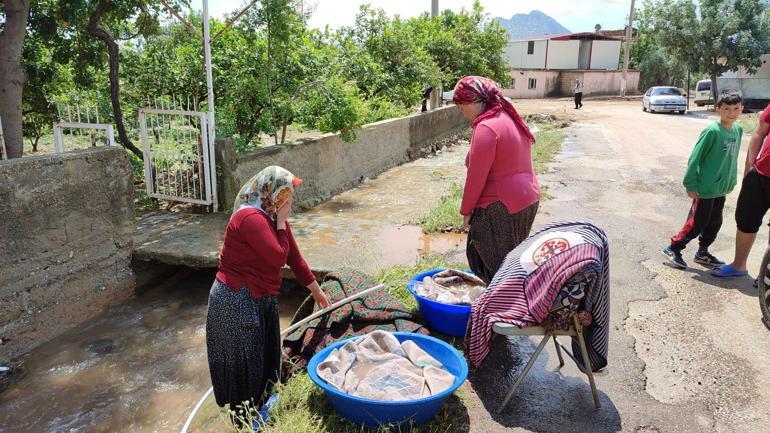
(242, 328)
(501, 192)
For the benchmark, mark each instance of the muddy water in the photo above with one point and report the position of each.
(140, 367)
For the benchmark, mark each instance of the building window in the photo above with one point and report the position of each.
(531, 47)
(532, 83)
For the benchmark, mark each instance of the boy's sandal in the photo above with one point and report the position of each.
(726, 271)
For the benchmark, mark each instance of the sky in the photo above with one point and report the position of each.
(576, 15)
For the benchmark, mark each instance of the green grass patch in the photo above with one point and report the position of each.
(548, 142)
(303, 408)
(749, 123)
(445, 216)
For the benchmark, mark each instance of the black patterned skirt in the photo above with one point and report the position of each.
(493, 234)
(243, 345)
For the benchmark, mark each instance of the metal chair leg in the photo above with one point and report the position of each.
(524, 373)
(558, 352)
(587, 361)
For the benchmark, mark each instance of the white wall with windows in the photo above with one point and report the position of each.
(526, 54)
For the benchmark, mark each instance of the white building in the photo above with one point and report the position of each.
(548, 65)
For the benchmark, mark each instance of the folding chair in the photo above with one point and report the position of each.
(575, 331)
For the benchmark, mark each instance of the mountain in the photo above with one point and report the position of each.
(534, 23)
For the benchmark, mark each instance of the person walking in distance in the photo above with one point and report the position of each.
(578, 90)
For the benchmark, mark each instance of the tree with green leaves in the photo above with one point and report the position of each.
(656, 65)
(464, 43)
(713, 36)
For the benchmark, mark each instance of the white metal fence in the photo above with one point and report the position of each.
(178, 158)
(74, 135)
(79, 127)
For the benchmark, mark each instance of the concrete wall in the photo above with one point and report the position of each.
(563, 54)
(605, 55)
(546, 85)
(560, 83)
(329, 165)
(66, 225)
(598, 82)
(517, 57)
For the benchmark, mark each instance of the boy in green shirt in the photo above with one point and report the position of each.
(711, 174)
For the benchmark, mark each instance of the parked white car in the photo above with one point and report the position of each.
(664, 99)
(703, 94)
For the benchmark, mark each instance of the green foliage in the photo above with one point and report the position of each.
(713, 36)
(656, 65)
(270, 70)
(465, 43)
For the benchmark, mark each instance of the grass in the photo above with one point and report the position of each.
(445, 216)
(749, 123)
(303, 408)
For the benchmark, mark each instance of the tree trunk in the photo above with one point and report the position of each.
(12, 76)
(112, 51)
(714, 90)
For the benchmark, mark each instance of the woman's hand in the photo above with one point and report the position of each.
(466, 221)
(282, 214)
(320, 297)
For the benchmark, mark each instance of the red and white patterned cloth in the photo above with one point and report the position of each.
(529, 280)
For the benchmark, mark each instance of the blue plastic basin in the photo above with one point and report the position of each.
(373, 413)
(449, 319)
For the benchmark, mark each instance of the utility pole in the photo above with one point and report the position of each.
(209, 75)
(435, 95)
(627, 53)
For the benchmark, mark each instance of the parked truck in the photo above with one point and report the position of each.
(755, 87)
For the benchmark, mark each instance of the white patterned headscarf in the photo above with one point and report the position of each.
(267, 190)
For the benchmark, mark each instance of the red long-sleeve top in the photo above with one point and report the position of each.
(499, 167)
(254, 253)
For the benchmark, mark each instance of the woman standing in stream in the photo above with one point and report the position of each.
(501, 193)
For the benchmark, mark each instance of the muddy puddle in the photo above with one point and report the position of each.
(140, 367)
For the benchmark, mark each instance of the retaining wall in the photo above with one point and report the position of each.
(328, 165)
(66, 229)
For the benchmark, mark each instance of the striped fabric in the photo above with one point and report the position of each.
(522, 295)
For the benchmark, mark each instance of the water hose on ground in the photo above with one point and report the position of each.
(284, 333)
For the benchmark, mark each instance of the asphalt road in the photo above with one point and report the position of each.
(688, 352)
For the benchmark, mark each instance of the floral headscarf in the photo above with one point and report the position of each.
(481, 89)
(267, 190)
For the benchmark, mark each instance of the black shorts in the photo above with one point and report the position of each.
(753, 202)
